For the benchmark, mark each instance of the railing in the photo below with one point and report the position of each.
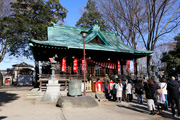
(63, 80)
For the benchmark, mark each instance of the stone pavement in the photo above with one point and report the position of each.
(15, 106)
(114, 111)
(15, 88)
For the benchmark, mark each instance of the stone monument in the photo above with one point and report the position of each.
(154, 71)
(53, 87)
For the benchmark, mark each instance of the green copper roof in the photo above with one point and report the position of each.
(70, 37)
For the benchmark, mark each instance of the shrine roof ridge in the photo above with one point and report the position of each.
(70, 37)
(77, 28)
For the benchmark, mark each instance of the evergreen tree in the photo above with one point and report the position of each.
(172, 59)
(91, 16)
(30, 19)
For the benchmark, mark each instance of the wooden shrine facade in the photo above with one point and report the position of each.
(103, 50)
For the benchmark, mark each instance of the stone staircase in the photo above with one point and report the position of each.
(101, 97)
(34, 93)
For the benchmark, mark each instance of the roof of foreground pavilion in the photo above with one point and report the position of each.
(67, 40)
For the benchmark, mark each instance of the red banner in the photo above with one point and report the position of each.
(135, 67)
(128, 66)
(119, 67)
(75, 65)
(64, 65)
(84, 64)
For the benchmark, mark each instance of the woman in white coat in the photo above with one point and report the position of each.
(163, 86)
(129, 91)
(119, 88)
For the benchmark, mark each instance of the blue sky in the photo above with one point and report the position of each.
(75, 10)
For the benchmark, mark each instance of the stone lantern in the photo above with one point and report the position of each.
(53, 87)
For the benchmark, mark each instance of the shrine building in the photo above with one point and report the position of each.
(105, 52)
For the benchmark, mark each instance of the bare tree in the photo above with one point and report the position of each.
(115, 13)
(141, 66)
(151, 19)
(158, 52)
(162, 17)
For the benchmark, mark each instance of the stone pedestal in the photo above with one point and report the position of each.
(53, 91)
(77, 102)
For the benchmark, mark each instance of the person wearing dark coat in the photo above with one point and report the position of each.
(173, 92)
(106, 83)
(139, 90)
(124, 90)
(150, 91)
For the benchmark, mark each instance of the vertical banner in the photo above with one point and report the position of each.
(135, 66)
(128, 66)
(64, 65)
(119, 68)
(84, 64)
(75, 65)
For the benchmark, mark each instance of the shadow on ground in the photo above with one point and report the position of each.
(7, 97)
(142, 108)
(2, 117)
(136, 108)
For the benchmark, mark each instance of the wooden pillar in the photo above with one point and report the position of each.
(122, 68)
(104, 71)
(94, 72)
(37, 73)
(136, 72)
(43, 67)
(99, 71)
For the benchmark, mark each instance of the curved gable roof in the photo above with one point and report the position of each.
(70, 37)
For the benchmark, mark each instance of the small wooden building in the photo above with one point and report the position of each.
(23, 74)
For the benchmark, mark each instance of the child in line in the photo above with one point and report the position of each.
(160, 100)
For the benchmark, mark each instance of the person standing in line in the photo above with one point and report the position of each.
(119, 88)
(130, 81)
(150, 91)
(173, 90)
(124, 90)
(114, 91)
(163, 86)
(139, 90)
(160, 100)
(129, 91)
(106, 83)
